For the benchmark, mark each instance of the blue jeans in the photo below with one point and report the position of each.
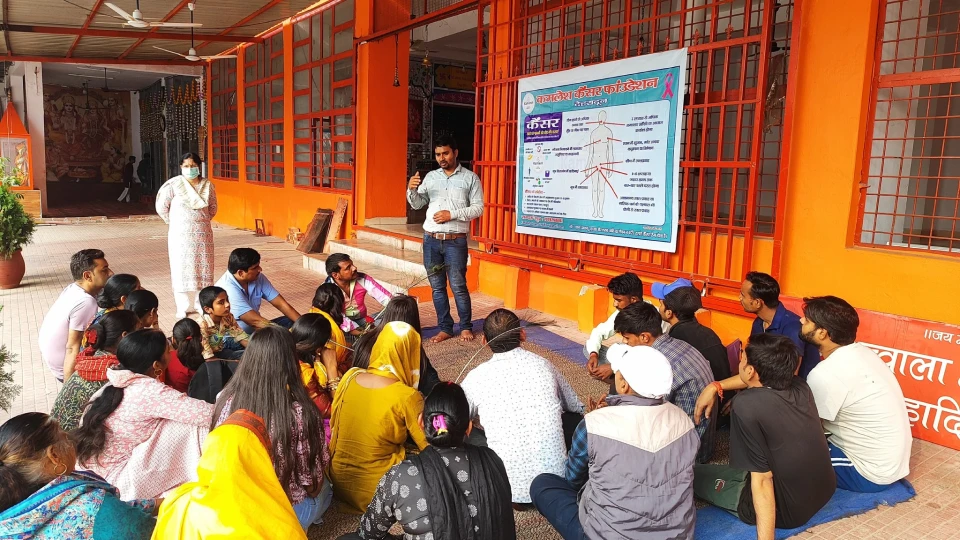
(556, 500)
(310, 510)
(283, 321)
(452, 255)
(232, 350)
(847, 476)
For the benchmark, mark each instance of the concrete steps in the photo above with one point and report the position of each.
(394, 261)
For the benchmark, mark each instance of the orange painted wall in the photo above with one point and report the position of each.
(381, 142)
(830, 120)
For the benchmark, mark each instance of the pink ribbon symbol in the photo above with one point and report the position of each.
(668, 86)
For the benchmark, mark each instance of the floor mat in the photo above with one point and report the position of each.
(716, 524)
(453, 357)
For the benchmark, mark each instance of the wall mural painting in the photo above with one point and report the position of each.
(87, 134)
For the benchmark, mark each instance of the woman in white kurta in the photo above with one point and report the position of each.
(187, 203)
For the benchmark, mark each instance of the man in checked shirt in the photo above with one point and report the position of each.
(453, 197)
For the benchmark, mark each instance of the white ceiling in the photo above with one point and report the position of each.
(117, 78)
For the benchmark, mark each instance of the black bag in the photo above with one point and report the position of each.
(210, 379)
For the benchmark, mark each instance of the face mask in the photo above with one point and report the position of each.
(190, 172)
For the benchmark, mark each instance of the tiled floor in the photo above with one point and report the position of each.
(140, 248)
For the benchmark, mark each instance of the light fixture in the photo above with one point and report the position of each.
(426, 46)
(396, 60)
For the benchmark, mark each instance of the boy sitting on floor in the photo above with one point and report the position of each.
(355, 286)
(780, 473)
(627, 289)
(222, 336)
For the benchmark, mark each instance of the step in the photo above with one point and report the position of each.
(366, 253)
(394, 240)
(394, 281)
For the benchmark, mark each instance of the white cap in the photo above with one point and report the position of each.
(645, 369)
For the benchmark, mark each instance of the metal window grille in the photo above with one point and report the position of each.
(223, 118)
(910, 192)
(263, 110)
(732, 175)
(391, 14)
(323, 110)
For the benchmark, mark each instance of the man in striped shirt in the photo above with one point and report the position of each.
(640, 326)
(453, 197)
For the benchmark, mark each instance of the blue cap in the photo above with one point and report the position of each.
(660, 290)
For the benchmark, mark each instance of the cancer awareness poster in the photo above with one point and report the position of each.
(599, 152)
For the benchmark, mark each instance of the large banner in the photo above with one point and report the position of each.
(599, 152)
(925, 358)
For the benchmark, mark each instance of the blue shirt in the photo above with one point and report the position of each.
(787, 323)
(247, 299)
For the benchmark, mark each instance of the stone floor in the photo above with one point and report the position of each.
(139, 248)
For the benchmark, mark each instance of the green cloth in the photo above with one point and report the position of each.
(720, 485)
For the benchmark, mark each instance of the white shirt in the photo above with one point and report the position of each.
(604, 331)
(460, 193)
(862, 407)
(74, 309)
(519, 397)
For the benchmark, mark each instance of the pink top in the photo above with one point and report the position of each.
(146, 402)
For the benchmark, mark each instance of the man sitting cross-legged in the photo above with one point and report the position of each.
(779, 474)
(633, 460)
(247, 287)
(521, 399)
(640, 326)
(858, 399)
(355, 286)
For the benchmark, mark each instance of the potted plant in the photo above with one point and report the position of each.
(16, 227)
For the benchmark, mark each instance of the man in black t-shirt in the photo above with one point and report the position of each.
(780, 473)
(679, 303)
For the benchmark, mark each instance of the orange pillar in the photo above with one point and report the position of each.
(241, 118)
(516, 288)
(593, 307)
(381, 143)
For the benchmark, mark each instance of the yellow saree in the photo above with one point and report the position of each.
(237, 494)
(369, 426)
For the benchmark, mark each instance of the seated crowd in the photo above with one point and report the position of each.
(241, 425)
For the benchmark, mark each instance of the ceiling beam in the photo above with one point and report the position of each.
(173, 12)
(241, 22)
(6, 33)
(101, 61)
(126, 34)
(86, 24)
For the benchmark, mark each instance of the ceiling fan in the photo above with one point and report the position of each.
(192, 53)
(136, 20)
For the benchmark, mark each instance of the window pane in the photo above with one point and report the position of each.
(343, 41)
(342, 69)
(327, 32)
(301, 79)
(301, 55)
(276, 87)
(301, 30)
(342, 97)
(277, 65)
(315, 39)
(343, 12)
(327, 82)
(301, 104)
(277, 110)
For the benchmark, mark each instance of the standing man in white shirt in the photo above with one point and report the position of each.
(858, 399)
(453, 197)
(62, 329)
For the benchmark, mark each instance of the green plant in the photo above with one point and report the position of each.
(8, 390)
(16, 226)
